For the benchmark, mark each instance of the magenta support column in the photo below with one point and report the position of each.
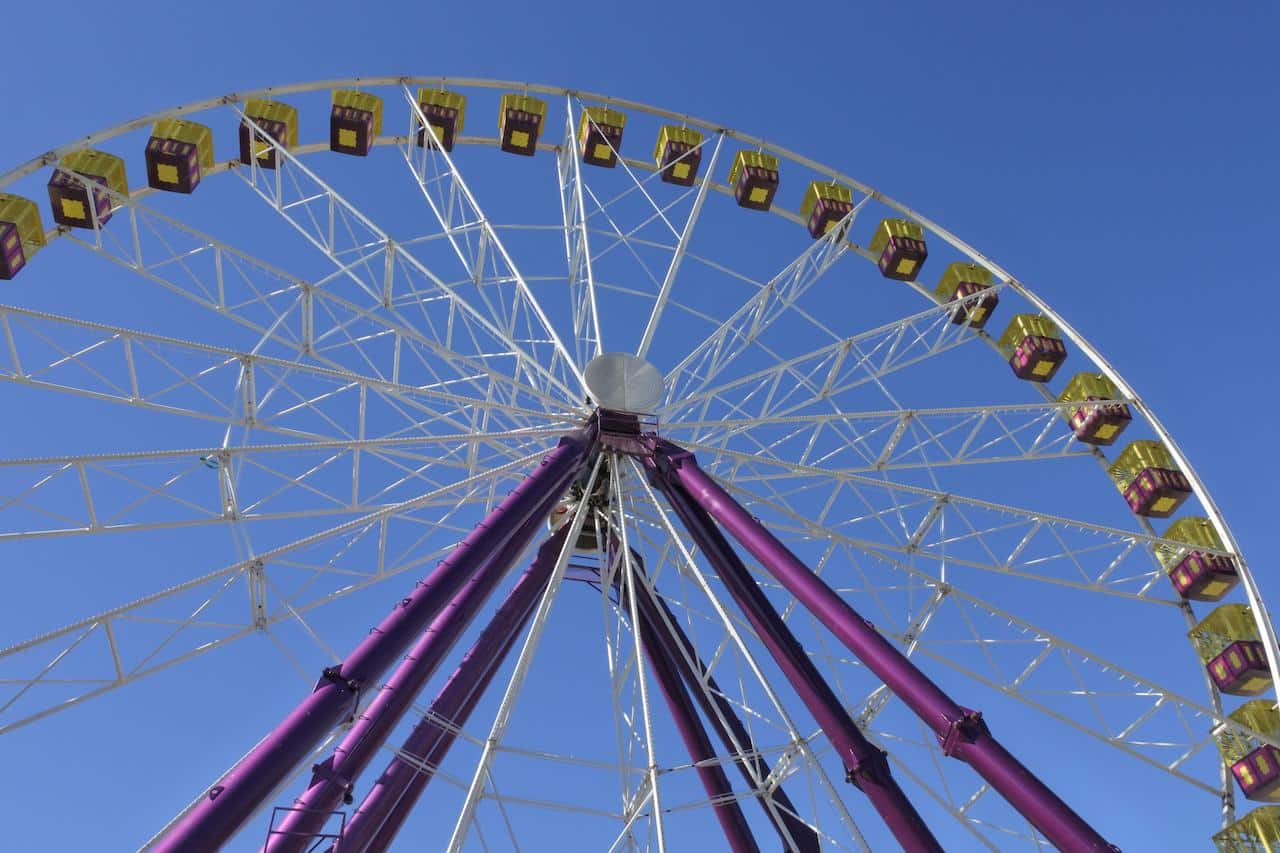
(677, 648)
(961, 732)
(229, 803)
(332, 779)
(380, 815)
(865, 765)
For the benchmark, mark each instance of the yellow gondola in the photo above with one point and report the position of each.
(520, 123)
(21, 233)
(899, 248)
(70, 198)
(678, 154)
(1256, 765)
(600, 136)
(754, 178)
(825, 204)
(960, 283)
(446, 112)
(1033, 346)
(178, 153)
(1149, 479)
(354, 122)
(1227, 642)
(1195, 574)
(1095, 424)
(278, 121)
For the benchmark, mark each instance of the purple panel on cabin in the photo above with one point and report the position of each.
(63, 186)
(1204, 577)
(1240, 669)
(1258, 774)
(182, 157)
(687, 155)
(756, 187)
(444, 120)
(827, 212)
(274, 129)
(976, 312)
(598, 135)
(1157, 492)
(902, 258)
(1037, 358)
(1100, 425)
(358, 127)
(517, 122)
(12, 255)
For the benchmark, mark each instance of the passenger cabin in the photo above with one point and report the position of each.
(73, 204)
(678, 155)
(1256, 765)
(1099, 423)
(277, 122)
(1256, 832)
(825, 206)
(600, 136)
(1149, 479)
(354, 122)
(446, 112)
(961, 283)
(1195, 574)
(1034, 347)
(520, 122)
(178, 154)
(754, 178)
(1227, 642)
(21, 233)
(899, 248)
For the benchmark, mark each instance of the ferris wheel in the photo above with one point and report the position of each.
(597, 478)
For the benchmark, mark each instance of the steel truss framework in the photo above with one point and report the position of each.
(351, 423)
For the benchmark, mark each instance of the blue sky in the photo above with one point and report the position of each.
(1121, 162)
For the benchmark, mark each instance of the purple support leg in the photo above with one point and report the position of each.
(380, 815)
(229, 803)
(677, 648)
(865, 765)
(714, 781)
(961, 732)
(332, 779)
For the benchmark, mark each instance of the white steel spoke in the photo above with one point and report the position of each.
(537, 625)
(582, 283)
(664, 292)
(433, 164)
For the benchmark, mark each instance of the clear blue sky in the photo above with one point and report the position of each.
(1121, 162)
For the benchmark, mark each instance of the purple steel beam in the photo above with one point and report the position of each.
(865, 765)
(332, 779)
(230, 802)
(714, 780)
(728, 811)
(678, 649)
(384, 809)
(962, 732)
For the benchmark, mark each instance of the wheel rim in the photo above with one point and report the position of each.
(883, 474)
